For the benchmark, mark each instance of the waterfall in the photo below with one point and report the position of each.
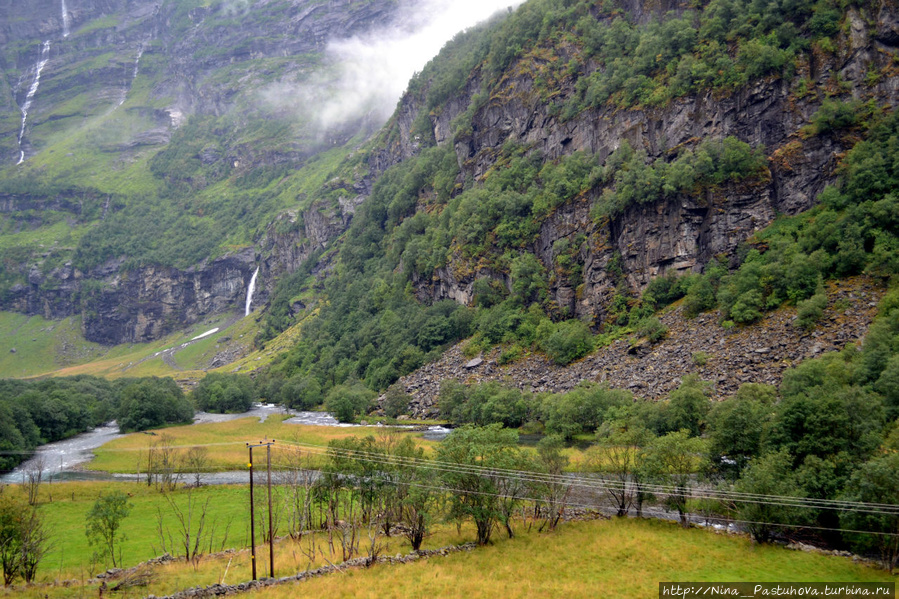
(140, 52)
(41, 63)
(250, 291)
(65, 20)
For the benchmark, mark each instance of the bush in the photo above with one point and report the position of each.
(582, 409)
(688, 405)
(566, 341)
(154, 402)
(810, 311)
(484, 404)
(700, 297)
(225, 393)
(652, 328)
(396, 401)
(301, 393)
(349, 401)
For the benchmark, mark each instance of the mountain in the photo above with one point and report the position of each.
(574, 168)
(147, 143)
(561, 171)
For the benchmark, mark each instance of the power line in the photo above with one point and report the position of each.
(779, 500)
(603, 508)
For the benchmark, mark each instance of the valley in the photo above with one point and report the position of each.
(636, 260)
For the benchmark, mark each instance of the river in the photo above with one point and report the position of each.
(65, 460)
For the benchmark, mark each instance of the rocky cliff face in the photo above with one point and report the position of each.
(137, 305)
(685, 232)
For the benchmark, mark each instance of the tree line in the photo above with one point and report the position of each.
(33, 413)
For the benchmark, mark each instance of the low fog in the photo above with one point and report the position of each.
(373, 70)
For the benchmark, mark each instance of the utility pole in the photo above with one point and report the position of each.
(271, 540)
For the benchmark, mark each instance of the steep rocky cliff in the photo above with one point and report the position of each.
(681, 233)
(170, 104)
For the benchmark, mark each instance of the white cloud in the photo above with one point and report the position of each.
(374, 69)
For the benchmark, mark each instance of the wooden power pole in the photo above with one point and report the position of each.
(271, 536)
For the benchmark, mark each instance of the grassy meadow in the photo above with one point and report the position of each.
(601, 558)
(612, 558)
(227, 441)
(615, 558)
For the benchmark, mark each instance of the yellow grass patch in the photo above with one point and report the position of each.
(227, 441)
(617, 558)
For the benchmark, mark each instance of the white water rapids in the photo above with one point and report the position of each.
(250, 290)
(29, 97)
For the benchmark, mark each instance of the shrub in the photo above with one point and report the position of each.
(566, 341)
(652, 328)
(700, 358)
(151, 403)
(700, 297)
(231, 393)
(810, 311)
(348, 401)
(396, 401)
(301, 393)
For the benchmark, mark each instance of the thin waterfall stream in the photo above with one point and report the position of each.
(66, 20)
(250, 290)
(126, 87)
(29, 97)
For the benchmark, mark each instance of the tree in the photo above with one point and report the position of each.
(348, 401)
(35, 543)
(196, 461)
(736, 426)
(23, 538)
(688, 405)
(301, 393)
(566, 341)
(581, 409)
(11, 440)
(875, 482)
(771, 474)
(827, 420)
(554, 492)
(231, 393)
(396, 401)
(475, 491)
(672, 460)
(618, 457)
(12, 513)
(103, 523)
(153, 402)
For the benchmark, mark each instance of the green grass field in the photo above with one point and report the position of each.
(603, 558)
(57, 348)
